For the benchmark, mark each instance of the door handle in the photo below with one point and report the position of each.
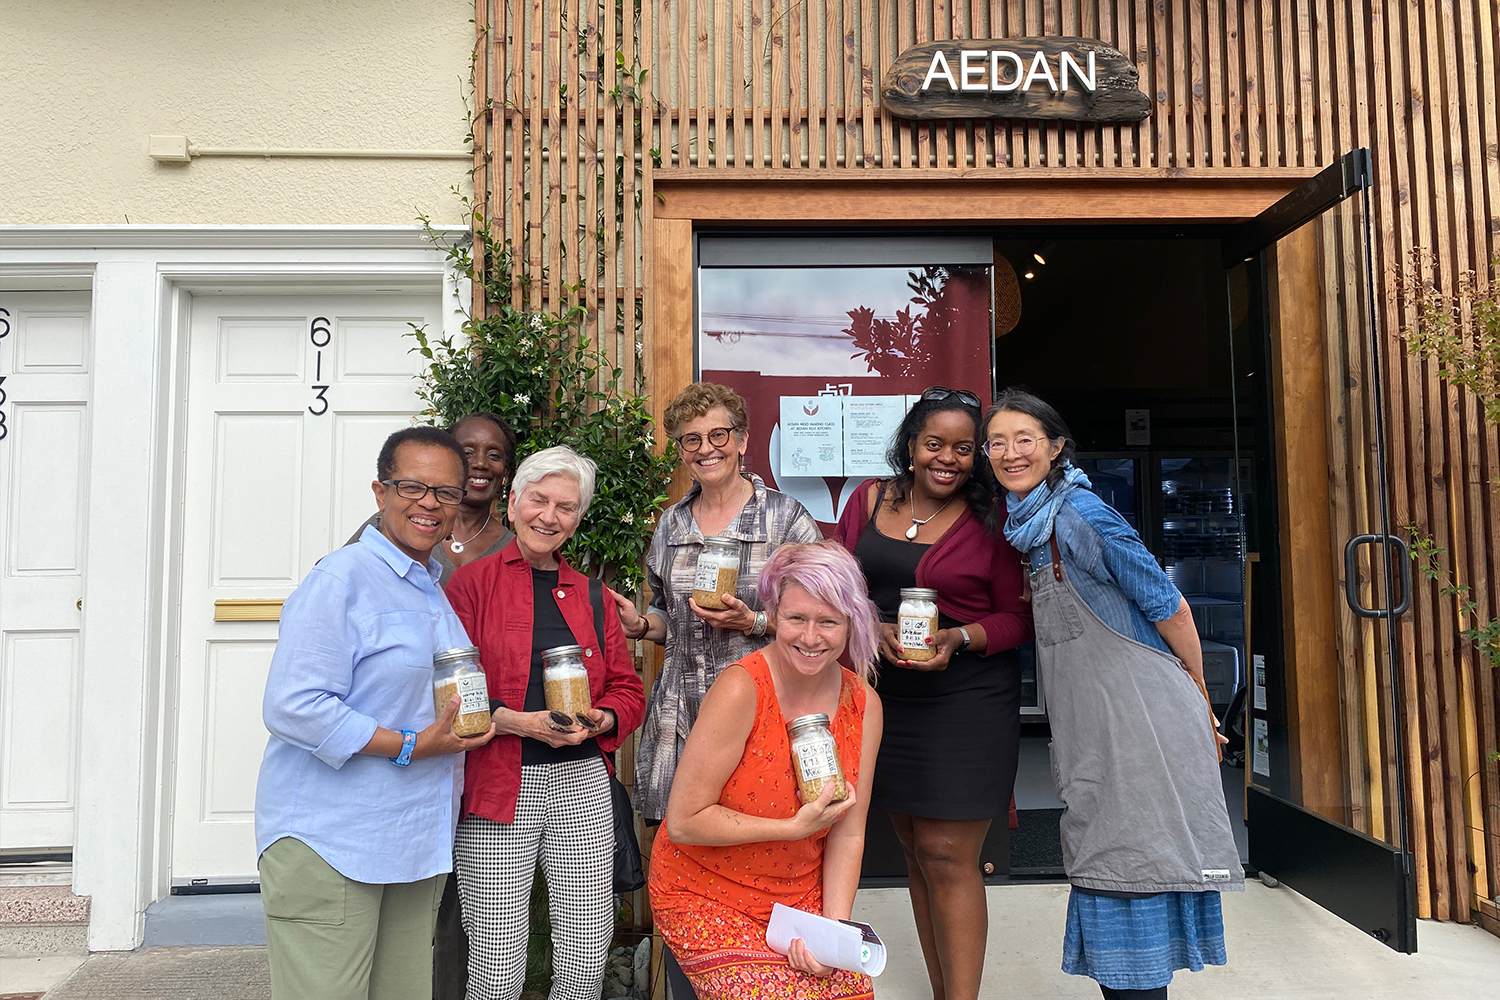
(1402, 575)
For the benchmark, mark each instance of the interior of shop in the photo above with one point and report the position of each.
(1130, 339)
(1127, 333)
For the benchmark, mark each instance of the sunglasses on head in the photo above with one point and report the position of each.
(943, 392)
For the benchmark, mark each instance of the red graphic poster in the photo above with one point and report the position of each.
(871, 338)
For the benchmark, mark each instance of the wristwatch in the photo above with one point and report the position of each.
(408, 744)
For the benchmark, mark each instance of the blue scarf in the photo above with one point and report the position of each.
(1029, 521)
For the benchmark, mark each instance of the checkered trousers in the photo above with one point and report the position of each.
(564, 820)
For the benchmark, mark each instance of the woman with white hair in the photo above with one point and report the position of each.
(540, 791)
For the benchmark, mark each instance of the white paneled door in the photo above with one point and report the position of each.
(45, 352)
(289, 400)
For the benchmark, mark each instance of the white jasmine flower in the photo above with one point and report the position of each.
(627, 518)
(522, 399)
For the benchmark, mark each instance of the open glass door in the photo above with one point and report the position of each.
(1327, 579)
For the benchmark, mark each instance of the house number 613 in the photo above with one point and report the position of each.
(321, 336)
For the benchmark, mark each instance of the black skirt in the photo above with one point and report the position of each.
(952, 737)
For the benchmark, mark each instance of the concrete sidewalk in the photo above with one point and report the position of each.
(1280, 946)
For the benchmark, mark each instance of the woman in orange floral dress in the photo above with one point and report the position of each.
(737, 838)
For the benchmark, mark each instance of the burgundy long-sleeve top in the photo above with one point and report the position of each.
(976, 573)
(493, 597)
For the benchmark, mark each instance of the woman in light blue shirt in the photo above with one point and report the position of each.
(358, 793)
(1145, 832)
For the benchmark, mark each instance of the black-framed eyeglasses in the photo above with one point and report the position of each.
(718, 437)
(411, 489)
(943, 392)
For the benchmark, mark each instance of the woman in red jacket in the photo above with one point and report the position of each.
(539, 791)
(947, 761)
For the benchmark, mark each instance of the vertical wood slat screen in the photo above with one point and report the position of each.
(569, 132)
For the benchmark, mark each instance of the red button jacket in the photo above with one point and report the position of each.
(493, 598)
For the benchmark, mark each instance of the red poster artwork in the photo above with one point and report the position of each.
(770, 333)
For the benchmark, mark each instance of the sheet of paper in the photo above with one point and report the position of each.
(1260, 682)
(1261, 762)
(812, 436)
(831, 942)
(869, 424)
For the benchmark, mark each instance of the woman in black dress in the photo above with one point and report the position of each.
(947, 761)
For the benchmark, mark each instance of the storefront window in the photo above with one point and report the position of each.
(830, 357)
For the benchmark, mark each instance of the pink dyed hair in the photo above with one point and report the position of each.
(828, 572)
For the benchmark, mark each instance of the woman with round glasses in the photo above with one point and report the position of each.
(947, 761)
(489, 444)
(709, 424)
(1145, 832)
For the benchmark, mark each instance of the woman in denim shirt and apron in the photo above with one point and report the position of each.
(1145, 832)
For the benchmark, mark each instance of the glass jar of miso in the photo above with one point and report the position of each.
(457, 672)
(917, 622)
(718, 572)
(815, 758)
(565, 680)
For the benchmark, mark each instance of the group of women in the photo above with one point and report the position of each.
(986, 510)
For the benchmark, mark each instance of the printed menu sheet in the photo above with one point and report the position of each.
(869, 424)
(812, 436)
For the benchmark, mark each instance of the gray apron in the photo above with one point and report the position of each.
(1133, 755)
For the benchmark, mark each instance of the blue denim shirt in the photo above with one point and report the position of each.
(355, 652)
(1111, 568)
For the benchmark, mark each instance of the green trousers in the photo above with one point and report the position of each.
(332, 938)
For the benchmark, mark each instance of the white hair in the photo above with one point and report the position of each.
(557, 460)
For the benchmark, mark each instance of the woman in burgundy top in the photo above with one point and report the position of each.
(947, 761)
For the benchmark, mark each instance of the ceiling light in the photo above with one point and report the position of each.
(1030, 274)
(1039, 254)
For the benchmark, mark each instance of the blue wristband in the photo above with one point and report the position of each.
(408, 744)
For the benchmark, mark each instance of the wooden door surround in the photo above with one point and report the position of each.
(729, 197)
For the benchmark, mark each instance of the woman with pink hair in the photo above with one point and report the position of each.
(737, 838)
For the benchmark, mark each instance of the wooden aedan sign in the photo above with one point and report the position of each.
(1060, 78)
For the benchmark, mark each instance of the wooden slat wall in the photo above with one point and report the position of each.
(794, 86)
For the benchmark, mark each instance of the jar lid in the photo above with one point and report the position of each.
(558, 652)
(720, 542)
(918, 594)
(448, 656)
(806, 722)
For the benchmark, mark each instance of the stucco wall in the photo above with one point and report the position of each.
(84, 82)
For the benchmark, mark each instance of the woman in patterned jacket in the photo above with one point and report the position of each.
(711, 428)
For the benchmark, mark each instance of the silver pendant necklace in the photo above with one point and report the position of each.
(458, 546)
(911, 533)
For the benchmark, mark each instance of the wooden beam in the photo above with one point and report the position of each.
(1307, 588)
(672, 334)
(971, 196)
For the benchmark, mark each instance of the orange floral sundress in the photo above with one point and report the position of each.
(712, 904)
